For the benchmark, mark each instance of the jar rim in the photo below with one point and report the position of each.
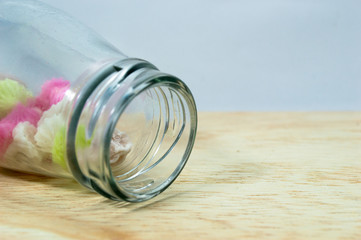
(143, 77)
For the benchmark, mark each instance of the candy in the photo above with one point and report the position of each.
(12, 93)
(52, 92)
(34, 129)
(58, 149)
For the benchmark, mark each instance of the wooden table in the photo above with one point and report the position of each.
(251, 175)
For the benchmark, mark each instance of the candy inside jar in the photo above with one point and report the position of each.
(33, 129)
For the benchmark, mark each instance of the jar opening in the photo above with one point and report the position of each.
(133, 132)
(157, 124)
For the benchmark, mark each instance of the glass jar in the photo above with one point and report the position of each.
(72, 105)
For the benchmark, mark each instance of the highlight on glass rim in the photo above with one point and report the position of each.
(72, 105)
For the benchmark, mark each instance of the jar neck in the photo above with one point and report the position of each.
(157, 116)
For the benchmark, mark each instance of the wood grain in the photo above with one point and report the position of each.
(251, 175)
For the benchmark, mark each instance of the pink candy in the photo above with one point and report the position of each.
(20, 113)
(51, 93)
(5, 136)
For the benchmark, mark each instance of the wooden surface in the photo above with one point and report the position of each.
(251, 175)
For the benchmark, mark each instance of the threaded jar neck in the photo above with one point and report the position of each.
(131, 131)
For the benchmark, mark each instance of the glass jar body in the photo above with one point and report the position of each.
(73, 105)
(43, 55)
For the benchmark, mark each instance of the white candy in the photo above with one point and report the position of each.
(50, 123)
(61, 109)
(120, 146)
(47, 130)
(22, 153)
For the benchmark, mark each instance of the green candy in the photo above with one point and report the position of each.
(81, 140)
(11, 93)
(59, 147)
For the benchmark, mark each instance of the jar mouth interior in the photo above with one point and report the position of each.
(157, 138)
(131, 131)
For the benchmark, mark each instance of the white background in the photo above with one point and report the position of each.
(239, 55)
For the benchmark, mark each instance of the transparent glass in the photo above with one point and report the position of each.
(72, 105)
